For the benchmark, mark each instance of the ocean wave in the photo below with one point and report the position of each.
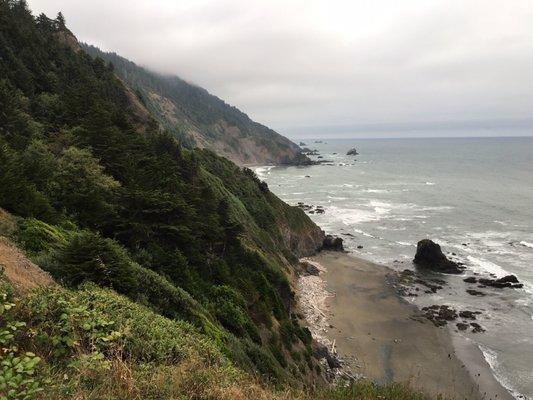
(359, 231)
(261, 172)
(375, 190)
(405, 243)
(487, 266)
(351, 216)
(526, 244)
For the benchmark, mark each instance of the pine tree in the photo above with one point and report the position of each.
(60, 22)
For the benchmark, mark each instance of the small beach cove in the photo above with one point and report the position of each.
(377, 333)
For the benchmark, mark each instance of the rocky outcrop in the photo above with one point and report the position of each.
(508, 281)
(332, 243)
(305, 241)
(352, 152)
(429, 255)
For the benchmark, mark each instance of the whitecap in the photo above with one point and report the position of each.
(261, 172)
(430, 183)
(375, 191)
(365, 233)
(405, 243)
(526, 244)
(500, 222)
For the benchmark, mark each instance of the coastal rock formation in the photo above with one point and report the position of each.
(352, 152)
(310, 208)
(508, 281)
(332, 243)
(429, 255)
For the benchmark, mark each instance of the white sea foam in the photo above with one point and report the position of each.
(375, 191)
(491, 357)
(526, 244)
(359, 231)
(261, 172)
(486, 266)
(501, 223)
(351, 216)
(430, 183)
(405, 243)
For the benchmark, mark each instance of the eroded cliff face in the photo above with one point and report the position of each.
(302, 242)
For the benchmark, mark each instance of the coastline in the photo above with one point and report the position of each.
(353, 306)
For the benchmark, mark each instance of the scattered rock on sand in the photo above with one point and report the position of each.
(468, 314)
(470, 279)
(474, 292)
(439, 315)
(476, 328)
(430, 255)
(462, 326)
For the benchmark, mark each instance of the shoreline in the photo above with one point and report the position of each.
(354, 307)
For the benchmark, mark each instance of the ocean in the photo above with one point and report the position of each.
(473, 196)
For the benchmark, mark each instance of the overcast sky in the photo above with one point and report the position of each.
(333, 67)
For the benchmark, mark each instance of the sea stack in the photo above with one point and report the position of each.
(429, 255)
(352, 152)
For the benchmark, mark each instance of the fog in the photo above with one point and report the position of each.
(334, 68)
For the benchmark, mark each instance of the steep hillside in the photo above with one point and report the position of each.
(171, 267)
(103, 195)
(202, 120)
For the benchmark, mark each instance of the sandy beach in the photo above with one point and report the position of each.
(373, 329)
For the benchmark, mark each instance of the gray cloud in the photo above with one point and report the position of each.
(353, 64)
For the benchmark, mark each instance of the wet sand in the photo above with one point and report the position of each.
(373, 330)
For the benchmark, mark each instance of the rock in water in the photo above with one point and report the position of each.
(352, 152)
(332, 243)
(429, 255)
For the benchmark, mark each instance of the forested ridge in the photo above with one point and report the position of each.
(200, 119)
(172, 265)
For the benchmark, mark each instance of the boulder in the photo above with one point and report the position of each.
(430, 255)
(474, 292)
(352, 152)
(467, 314)
(310, 268)
(332, 243)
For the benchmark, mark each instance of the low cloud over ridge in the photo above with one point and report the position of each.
(296, 64)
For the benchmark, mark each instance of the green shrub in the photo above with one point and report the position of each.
(90, 257)
(97, 322)
(37, 236)
(17, 368)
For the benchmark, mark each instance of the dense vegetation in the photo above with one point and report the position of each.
(198, 118)
(107, 197)
(173, 263)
